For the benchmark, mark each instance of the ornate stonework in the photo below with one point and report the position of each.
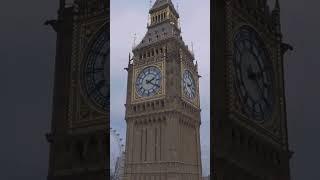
(163, 138)
(245, 146)
(78, 138)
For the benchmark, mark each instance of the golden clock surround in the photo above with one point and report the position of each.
(160, 94)
(196, 100)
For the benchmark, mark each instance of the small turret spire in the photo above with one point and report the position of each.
(192, 48)
(62, 4)
(134, 40)
(159, 4)
(178, 8)
(276, 18)
(129, 61)
(150, 5)
(277, 5)
(178, 13)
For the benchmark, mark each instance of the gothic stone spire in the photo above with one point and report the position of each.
(161, 4)
(163, 24)
(277, 5)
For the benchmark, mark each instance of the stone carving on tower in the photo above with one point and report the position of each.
(78, 137)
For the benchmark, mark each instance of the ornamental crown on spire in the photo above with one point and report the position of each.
(161, 4)
(163, 26)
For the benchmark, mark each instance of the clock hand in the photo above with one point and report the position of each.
(267, 102)
(262, 94)
(259, 74)
(154, 84)
(251, 74)
(99, 85)
(148, 81)
(259, 87)
(254, 75)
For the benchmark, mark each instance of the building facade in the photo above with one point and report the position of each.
(162, 105)
(250, 139)
(79, 129)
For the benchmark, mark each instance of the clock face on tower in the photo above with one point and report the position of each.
(188, 83)
(95, 71)
(148, 82)
(254, 75)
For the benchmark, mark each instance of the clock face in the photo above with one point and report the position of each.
(148, 82)
(254, 75)
(95, 71)
(188, 83)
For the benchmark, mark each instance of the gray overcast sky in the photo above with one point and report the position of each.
(27, 51)
(301, 27)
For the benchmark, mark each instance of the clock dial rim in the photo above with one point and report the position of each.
(255, 42)
(98, 98)
(185, 87)
(148, 81)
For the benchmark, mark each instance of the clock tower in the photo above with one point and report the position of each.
(250, 139)
(78, 137)
(162, 106)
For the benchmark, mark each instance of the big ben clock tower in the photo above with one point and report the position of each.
(78, 137)
(250, 139)
(162, 106)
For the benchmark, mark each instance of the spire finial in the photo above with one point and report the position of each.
(150, 5)
(277, 4)
(178, 7)
(134, 39)
(192, 48)
(129, 61)
(62, 4)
